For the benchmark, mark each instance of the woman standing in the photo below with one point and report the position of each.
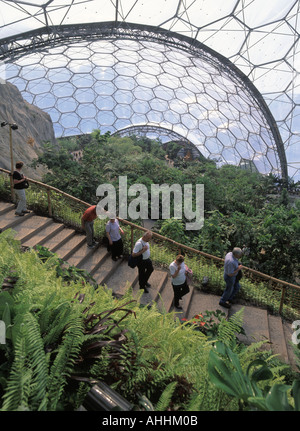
(19, 186)
(179, 282)
(113, 232)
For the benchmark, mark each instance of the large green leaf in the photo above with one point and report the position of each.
(296, 394)
(262, 373)
(277, 399)
(226, 373)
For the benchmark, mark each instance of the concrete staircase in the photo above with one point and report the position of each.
(118, 276)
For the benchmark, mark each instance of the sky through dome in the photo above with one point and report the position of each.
(115, 83)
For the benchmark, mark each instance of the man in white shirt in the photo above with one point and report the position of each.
(145, 267)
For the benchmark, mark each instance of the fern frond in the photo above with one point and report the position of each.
(38, 363)
(165, 398)
(195, 403)
(57, 321)
(46, 312)
(18, 385)
(228, 329)
(64, 361)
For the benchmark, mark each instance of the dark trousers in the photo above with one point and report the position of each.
(179, 291)
(145, 268)
(117, 248)
(232, 288)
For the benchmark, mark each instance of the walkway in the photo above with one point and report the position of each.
(71, 247)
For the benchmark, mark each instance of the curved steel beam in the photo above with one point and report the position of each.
(41, 39)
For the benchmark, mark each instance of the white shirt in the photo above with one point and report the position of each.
(180, 279)
(138, 247)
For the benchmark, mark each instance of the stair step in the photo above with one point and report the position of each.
(69, 247)
(82, 254)
(122, 279)
(277, 337)
(10, 220)
(58, 239)
(40, 238)
(202, 302)
(186, 304)
(255, 324)
(164, 291)
(108, 267)
(94, 259)
(5, 207)
(157, 280)
(31, 227)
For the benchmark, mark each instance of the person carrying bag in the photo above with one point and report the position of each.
(20, 184)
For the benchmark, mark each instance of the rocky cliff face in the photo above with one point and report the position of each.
(34, 128)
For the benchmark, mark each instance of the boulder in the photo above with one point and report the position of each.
(35, 127)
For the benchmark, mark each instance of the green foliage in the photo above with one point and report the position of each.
(241, 208)
(227, 374)
(174, 229)
(213, 235)
(229, 329)
(64, 270)
(62, 333)
(165, 398)
(65, 334)
(278, 233)
(216, 326)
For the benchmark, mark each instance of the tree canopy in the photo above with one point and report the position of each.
(241, 208)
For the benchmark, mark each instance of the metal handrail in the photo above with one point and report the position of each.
(283, 284)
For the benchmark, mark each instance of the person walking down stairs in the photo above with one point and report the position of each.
(87, 224)
(145, 266)
(178, 273)
(232, 268)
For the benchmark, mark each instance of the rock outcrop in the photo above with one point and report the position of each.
(34, 128)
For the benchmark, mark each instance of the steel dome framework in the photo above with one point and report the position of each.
(224, 79)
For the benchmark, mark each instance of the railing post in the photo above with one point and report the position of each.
(282, 299)
(131, 229)
(49, 202)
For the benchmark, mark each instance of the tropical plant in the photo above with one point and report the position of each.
(227, 374)
(174, 229)
(216, 326)
(66, 271)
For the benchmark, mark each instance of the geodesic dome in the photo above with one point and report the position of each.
(222, 75)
